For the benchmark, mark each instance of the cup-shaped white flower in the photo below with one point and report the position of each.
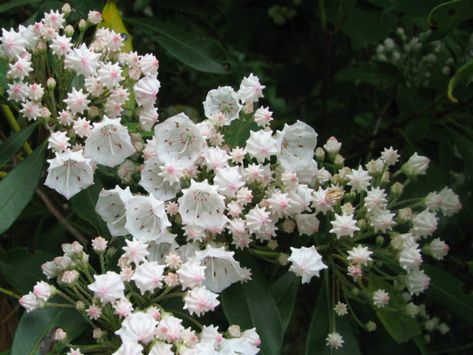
(179, 139)
(138, 327)
(146, 91)
(222, 269)
(296, 145)
(108, 142)
(108, 287)
(69, 172)
(222, 100)
(148, 276)
(306, 262)
(111, 207)
(228, 180)
(250, 89)
(261, 145)
(153, 180)
(201, 205)
(146, 218)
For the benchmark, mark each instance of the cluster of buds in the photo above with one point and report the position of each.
(131, 304)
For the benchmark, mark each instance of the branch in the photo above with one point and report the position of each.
(61, 219)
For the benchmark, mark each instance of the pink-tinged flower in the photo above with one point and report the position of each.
(108, 287)
(306, 262)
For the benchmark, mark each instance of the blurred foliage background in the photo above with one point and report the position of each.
(373, 73)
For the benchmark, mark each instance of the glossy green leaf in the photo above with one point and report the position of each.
(319, 329)
(18, 187)
(446, 290)
(83, 204)
(197, 51)
(284, 291)
(463, 76)
(33, 333)
(253, 304)
(12, 144)
(21, 268)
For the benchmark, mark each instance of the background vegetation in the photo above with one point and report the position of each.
(320, 61)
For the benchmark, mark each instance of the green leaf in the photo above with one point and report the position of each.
(238, 132)
(16, 3)
(83, 204)
(319, 328)
(284, 291)
(463, 75)
(12, 144)
(21, 268)
(18, 187)
(446, 290)
(450, 14)
(398, 324)
(34, 329)
(252, 305)
(197, 51)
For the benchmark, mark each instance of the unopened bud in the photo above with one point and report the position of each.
(66, 9)
(397, 188)
(97, 333)
(83, 25)
(379, 240)
(69, 31)
(319, 154)
(283, 259)
(51, 83)
(370, 326)
(60, 335)
(234, 331)
(80, 306)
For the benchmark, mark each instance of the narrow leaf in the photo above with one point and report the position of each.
(463, 75)
(18, 187)
(284, 291)
(319, 328)
(198, 52)
(12, 144)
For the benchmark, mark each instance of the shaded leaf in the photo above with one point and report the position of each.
(284, 291)
(16, 3)
(398, 324)
(197, 51)
(83, 204)
(12, 144)
(450, 14)
(238, 132)
(18, 187)
(253, 303)
(34, 329)
(21, 268)
(446, 290)
(463, 76)
(319, 328)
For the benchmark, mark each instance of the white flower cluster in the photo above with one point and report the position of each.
(418, 58)
(199, 195)
(135, 297)
(81, 96)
